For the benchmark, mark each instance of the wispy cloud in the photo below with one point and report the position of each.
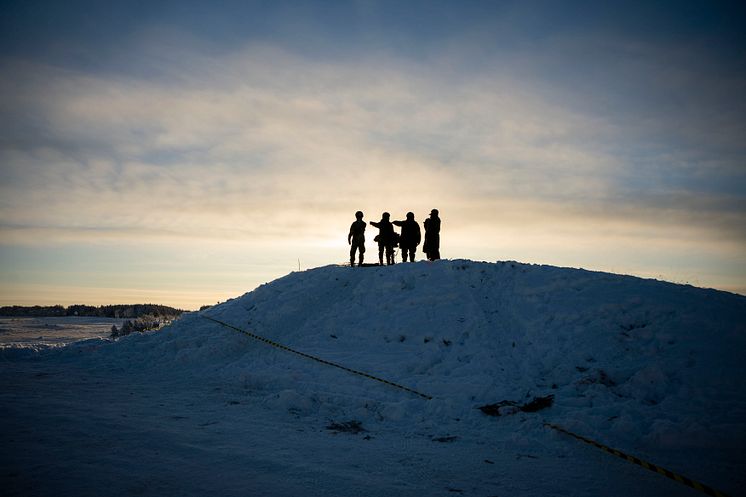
(261, 144)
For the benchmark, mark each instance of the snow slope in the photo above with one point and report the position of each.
(652, 368)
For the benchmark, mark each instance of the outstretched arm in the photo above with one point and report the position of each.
(398, 223)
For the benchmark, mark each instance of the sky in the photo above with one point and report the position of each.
(184, 152)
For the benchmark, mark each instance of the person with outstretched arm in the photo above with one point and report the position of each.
(410, 236)
(386, 238)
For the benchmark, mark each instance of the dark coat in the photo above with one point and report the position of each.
(385, 232)
(410, 233)
(357, 232)
(432, 235)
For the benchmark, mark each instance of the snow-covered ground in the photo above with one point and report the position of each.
(53, 331)
(651, 368)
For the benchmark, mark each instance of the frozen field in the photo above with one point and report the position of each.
(53, 331)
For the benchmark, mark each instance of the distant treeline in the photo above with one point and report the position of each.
(104, 311)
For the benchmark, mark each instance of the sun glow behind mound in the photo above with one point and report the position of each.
(260, 155)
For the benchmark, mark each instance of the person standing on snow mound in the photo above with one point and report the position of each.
(432, 236)
(356, 238)
(386, 238)
(410, 236)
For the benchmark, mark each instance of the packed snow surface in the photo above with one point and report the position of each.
(651, 368)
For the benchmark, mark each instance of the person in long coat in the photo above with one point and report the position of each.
(432, 236)
(386, 238)
(356, 238)
(410, 236)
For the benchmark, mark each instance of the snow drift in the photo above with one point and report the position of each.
(657, 362)
(644, 365)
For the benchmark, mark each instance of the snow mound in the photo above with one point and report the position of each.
(626, 358)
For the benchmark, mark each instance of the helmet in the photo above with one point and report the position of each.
(410, 215)
(434, 212)
(386, 215)
(359, 214)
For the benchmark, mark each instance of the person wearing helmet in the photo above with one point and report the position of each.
(356, 238)
(410, 236)
(432, 236)
(386, 238)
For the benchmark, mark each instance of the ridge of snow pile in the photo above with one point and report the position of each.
(635, 359)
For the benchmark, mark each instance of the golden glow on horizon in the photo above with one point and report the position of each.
(240, 173)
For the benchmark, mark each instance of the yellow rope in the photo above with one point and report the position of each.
(314, 358)
(649, 466)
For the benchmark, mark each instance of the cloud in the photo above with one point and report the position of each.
(262, 143)
(542, 133)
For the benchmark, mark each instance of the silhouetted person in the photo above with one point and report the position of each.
(410, 236)
(385, 238)
(432, 236)
(356, 238)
